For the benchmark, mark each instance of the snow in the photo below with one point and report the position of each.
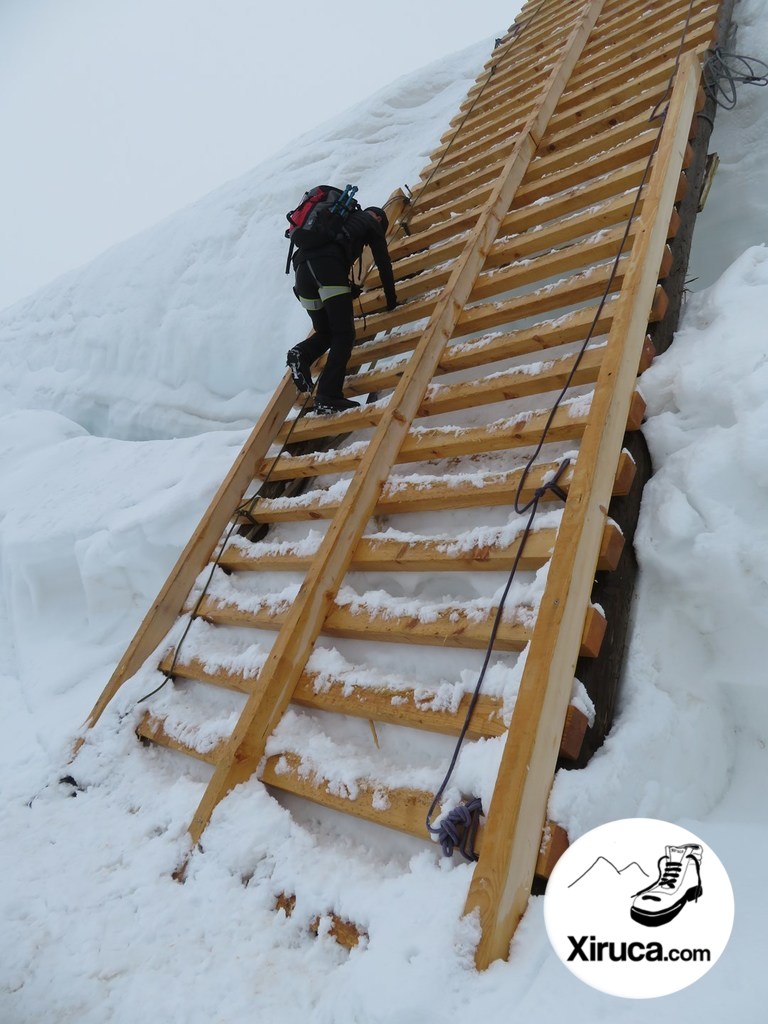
(126, 391)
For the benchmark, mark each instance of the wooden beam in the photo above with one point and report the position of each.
(453, 625)
(502, 879)
(495, 348)
(504, 386)
(381, 554)
(390, 705)
(435, 494)
(427, 444)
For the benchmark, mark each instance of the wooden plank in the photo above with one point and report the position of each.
(502, 879)
(435, 494)
(565, 155)
(603, 121)
(621, 18)
(423, 444)
(152, 729)
(381, 554)
(589, 284)
(634, 42)
(388, 704)
(628, 77)
(453, 625)
(401, 808)
(530, 243)
(636, 45)
(495, 347)
(635, 52)
(553, 845)
(502, 273)
(461, 191)
(555, 208)
(637, 148)
(519, 382)
(427, 444)
(504, 386)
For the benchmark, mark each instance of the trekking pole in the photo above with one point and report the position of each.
(345, 199)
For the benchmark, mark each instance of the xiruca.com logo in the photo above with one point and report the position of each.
(639, 908)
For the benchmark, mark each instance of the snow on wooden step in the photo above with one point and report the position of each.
(482, 549)
(422, 493)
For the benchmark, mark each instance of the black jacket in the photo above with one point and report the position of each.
(361, 230)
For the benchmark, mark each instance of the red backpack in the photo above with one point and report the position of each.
(319, 218)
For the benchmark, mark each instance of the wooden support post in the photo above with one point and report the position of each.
(289, 654)
(502, 880)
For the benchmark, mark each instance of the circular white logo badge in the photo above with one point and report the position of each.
(639, 908)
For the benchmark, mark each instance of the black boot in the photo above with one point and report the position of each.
(326, 404)
(299, 366)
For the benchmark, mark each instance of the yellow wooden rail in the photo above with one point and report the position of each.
(503, 877)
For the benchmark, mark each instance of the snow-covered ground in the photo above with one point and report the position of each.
(126, 390)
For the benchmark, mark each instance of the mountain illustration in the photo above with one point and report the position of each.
(604, 872)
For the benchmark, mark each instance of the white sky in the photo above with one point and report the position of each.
(115, 113)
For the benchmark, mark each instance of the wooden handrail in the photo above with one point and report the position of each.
(503, 876)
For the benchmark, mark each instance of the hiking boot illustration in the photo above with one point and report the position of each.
(678, 883)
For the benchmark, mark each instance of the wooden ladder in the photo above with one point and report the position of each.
(519, 243)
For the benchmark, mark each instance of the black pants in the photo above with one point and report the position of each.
(333, 320)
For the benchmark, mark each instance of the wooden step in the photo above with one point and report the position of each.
(435, 494)
(453, 626)
(386, 704)
(381, 554)
(513, 247)
(619, 64)
(568, 204)
(577, 288)
(504, 386)
(444, 398)
(494, 348)
(540, 187)
(669, 22)
(503, 272)
(638, 51)
(613, 89)
(401, 808)
(422, 444)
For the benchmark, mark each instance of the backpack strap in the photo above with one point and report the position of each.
(290, 254)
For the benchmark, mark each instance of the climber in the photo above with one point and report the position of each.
(323, 288)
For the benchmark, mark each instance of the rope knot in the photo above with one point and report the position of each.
(459, 829)
(552, 485)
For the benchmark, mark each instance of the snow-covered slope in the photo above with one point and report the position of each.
(184, 327)
(168, 334)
